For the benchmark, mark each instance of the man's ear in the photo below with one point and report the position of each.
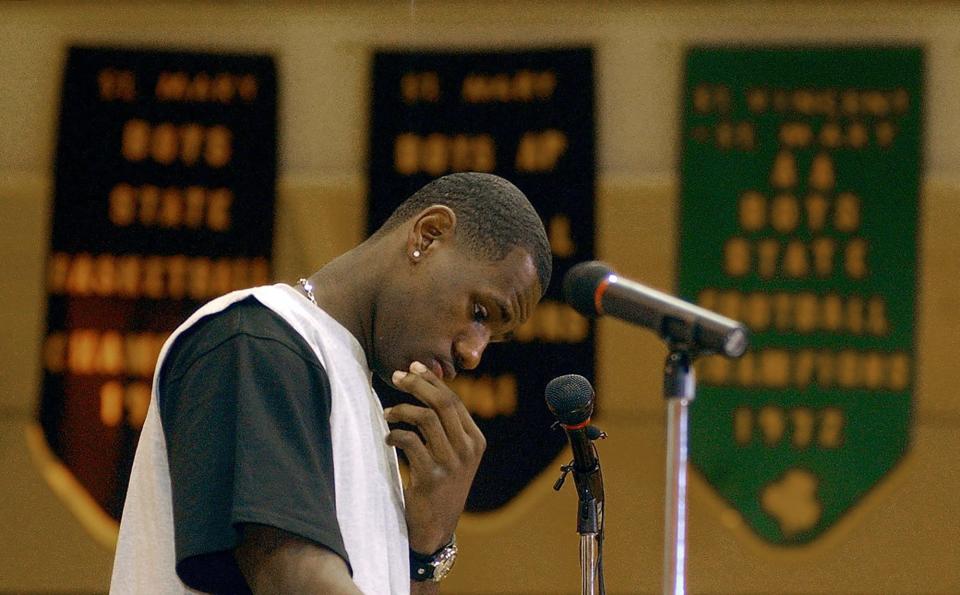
(432, 227)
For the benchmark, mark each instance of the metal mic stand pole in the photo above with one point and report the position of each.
(589, 520)
(679, 389)
(589, 511)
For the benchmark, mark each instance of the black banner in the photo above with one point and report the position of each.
(164, 198)
(526, 116)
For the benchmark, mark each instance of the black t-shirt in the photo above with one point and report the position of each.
(245, 406)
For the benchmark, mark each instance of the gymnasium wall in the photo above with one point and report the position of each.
(905, 536)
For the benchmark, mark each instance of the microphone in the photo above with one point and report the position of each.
(594, 289)
(570, 399)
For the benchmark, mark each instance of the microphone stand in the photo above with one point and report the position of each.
(589, 516)
(589, 520)
(679, 390)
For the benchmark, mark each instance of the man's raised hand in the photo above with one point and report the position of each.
(442, 463)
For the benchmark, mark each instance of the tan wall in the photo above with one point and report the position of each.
(906, 536)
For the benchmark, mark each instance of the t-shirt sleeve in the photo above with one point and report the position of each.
(245, 408)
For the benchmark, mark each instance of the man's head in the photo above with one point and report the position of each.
(476, 260)
(493, 217)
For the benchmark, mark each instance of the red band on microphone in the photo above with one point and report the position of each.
(598, 295)
(579, 426)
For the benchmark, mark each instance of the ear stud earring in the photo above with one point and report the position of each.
(416, 254)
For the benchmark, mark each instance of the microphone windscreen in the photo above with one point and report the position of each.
(570, 399)
(580, 285)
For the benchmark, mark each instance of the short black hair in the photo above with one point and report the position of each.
(493, 217)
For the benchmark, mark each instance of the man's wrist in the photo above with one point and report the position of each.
(426, 547)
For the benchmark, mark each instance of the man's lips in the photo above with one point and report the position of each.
(443, 370)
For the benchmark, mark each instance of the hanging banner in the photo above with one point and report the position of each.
(526, 116)
(164, 198)
(800, 182)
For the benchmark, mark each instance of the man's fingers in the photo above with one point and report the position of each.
(428, 423)
(429, 390)
(421, 383)
(452, 406)
(427, 374)
(420, 459)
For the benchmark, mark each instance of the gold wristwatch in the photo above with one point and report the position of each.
(435, 567)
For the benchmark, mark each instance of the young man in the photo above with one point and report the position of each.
(266, 463)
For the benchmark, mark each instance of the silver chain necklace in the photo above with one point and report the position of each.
(308, 289)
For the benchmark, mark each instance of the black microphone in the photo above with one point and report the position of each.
(570, 399)
(594, 289)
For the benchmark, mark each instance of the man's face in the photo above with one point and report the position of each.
(445, 310)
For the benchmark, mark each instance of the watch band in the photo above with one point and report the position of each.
(436, 566)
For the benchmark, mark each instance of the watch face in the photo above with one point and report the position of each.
(444, 562)
(444, 565)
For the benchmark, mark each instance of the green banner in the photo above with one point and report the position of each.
(800, 178)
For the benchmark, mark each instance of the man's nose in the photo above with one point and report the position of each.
(470, 346)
